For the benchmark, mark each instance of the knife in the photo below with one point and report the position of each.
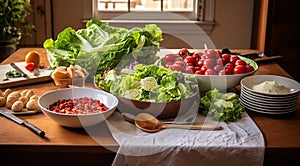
(33, 128)
(19, 70)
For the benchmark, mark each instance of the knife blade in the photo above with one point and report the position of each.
(19, 70)
(19, 121)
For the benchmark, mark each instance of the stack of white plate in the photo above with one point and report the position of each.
(266, 102)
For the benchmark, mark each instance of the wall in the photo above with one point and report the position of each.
(233, 22)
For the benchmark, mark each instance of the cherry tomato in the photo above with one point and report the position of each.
(200, 62)
(170, 57)
(197, 55)
(183, 52)
(210, 72)
(190, 59)
(229, 68)
(249, 68)
(168, 64)
(179, 63)
(239, 69)
(211, 54)
(222, 72)
(41, 66)
(30, 66)
(234, 58)
(199, 72)
(203, 69)
(177, 67)
(209, 63)
(190, 69)
(226, 58)
(240, 62)
(217, 68)
(219, 61)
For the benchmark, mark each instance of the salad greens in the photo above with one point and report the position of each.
(12, 74)
(148, 83)
(100, 46)
(224, 107)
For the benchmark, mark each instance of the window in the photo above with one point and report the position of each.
(179, 20)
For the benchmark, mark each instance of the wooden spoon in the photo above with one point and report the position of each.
(149, 123)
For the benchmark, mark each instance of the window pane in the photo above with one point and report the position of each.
(146, 5)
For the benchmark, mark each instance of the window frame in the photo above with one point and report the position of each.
(205, 18)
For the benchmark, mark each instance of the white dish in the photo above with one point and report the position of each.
(250, 81)
(265, 111)
(77, 120)
(268, 103)
(268, 107)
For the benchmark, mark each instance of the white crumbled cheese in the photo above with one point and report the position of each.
(271, 87)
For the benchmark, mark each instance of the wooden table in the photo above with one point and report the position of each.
(19, 145)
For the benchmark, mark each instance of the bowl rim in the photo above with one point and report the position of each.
(294, 92)
(115, 103)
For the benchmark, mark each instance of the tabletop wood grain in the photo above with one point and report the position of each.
(281, 132)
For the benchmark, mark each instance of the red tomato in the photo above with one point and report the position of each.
(240, 62)
(41, 65)
(239, 69)
(203, 69)
(234, 58)
(229, 68)
(210, 72)
(212, 54)
(197, 55)
(190, 59)
(30, 66)
(222, 72)
(199, 72)
(177, 67)
(226, 58)
(183, 52)
(179, 63)
(190, 69)
(170, 57)
(249, 68)
(200, 62)
(217, 68)
(209, 63)
(219, 61)
(168, 64)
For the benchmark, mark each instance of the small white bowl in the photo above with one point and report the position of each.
(77, 120)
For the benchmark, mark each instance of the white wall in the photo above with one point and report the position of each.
(233, 22)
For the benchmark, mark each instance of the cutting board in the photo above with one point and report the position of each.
(44, 75)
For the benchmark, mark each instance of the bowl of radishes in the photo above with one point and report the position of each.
(211, 68)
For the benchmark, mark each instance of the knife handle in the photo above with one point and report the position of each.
(34, 129)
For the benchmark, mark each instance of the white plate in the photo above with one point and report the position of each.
(268, 102)
(266, 112)
(288, 97)
(268, 107)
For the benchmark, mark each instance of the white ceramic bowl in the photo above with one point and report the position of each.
(78, 120)
(223, 82)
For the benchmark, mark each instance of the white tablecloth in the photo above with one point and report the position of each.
(239, 143)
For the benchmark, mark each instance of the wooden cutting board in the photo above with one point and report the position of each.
(44, 75)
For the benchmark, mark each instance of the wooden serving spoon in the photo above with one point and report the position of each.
(149, 123)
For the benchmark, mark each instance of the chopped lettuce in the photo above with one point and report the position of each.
(148, 83)
(100, 46)
(224, 107)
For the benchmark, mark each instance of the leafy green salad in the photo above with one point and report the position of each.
(224, 107)
(100, 46)
(148, 83)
